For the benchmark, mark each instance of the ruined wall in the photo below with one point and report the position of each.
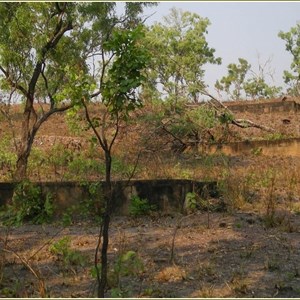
(264, 107)
(167, 195)
(284, 147)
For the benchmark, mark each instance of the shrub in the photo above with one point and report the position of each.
(29, 204)
(62, 249)
(139, 207)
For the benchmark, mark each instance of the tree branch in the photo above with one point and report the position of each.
(242, 123)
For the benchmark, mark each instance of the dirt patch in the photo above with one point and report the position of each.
(225, 255)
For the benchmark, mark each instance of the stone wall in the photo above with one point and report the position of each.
(167, 195)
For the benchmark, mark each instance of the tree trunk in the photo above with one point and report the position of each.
(27, 137)
(104, 265)
(106, 221)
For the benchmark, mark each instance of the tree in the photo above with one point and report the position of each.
(233, 83)
(292, 45)
(180, 51)
(242, 81)
(124, 58)
(38, 58)
(47, 56)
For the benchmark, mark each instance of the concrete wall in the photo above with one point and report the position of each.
(286, 147)
(264, 107)
(167, 195)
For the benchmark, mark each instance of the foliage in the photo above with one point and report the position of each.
(257, 88)
(29, 204)
(7, 156)
(179, 52)
(292, 45)
(125, 74)
(238, 84)
(48, 60)
(236, 78)
(191, 201)
(127, 264)
(88, 208)
(81, 167)
(275, 136)
(62, 249)
(139, 207)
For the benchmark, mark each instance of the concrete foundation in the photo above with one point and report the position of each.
(166, 195)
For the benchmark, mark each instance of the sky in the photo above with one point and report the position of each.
(241, 29)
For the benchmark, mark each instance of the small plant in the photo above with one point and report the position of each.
(67, 218)
(29, 204)
(139, 207)
(275, 136)
(191, 201)
(257, 151)
(270, 201)
(272, 264)
(127, 264)
(62, 249)
(8, 157)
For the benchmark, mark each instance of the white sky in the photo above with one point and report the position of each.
(241, 29)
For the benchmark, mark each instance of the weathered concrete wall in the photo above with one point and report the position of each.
(264, 107)
(286, 147)
(167, 195)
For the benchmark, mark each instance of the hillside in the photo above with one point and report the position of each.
(247, 248)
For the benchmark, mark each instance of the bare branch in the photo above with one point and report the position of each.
(242, 123)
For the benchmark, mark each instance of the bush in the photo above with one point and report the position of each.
(29, 204)
(62, 249)
(139, 207)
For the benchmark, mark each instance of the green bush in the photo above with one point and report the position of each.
(139, 207)
(29, 204)
(62, 249)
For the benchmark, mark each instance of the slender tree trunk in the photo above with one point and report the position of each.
(106, 221)
(104, 265)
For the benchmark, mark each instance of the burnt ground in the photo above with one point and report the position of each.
(215, 255)
(225, 254)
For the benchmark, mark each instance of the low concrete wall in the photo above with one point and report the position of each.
(167, 195)
(265, 107)
(285, 147)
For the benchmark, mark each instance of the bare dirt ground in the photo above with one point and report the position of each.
(215, 255)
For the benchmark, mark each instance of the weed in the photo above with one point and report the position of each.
(139, 207)
(206, 292)
(275, 136)
(237, 190)
(8, 157)
(272, 264)
(257, 151)
(295, 208)
(190, 202)
(205, 270)
(82, 167)
(62, 249)
(238, 283)
(119, 293)
(268, 183)
(67, 217)
(127, 264)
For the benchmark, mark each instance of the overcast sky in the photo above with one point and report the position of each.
(241, 29)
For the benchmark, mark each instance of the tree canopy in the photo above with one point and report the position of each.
(179, 53)
(292, 44)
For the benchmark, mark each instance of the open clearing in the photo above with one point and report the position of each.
(237, 256)
(252, 249)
